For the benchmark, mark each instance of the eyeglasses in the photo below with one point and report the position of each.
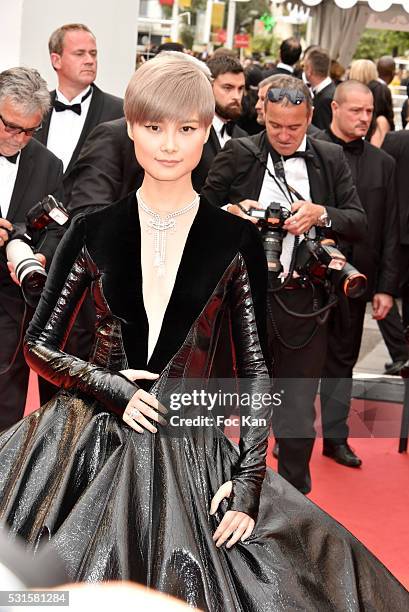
(10, 128)
(276, 95)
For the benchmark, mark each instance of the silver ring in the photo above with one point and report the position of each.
(134, 413)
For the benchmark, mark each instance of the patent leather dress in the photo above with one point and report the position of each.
(116, 504)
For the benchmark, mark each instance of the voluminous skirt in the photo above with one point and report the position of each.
(116, 504)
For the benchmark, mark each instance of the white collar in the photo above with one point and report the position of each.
(327, 81)
(76, 100)
(218, 123)
(285, 66)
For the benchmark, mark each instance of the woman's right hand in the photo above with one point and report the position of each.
(143, 404)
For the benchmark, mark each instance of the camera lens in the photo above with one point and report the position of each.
(28, 270)
(355, 284)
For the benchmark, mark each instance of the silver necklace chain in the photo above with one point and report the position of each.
(160, 226)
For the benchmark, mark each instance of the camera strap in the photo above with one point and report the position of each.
(278, 162)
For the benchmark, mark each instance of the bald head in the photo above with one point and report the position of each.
(386, 68)
(352, 110)
(348, 89)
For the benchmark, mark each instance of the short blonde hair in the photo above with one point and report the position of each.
(170, 86)
(363, 70)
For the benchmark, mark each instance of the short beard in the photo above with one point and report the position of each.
(228, 113)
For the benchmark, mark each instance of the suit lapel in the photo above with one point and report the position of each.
(316, 177)
(23, 179)
(92, 120)
(42, 135)
(214, 141)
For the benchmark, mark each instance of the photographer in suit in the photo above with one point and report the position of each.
(312, 180)
(28, 172)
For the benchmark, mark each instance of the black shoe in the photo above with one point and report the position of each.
(342, 453)
(404, 372)
(393, 368)
(276, 450)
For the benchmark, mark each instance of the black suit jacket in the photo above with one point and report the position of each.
(103, 107)
(237, 173)
(377, 254)
(322, 115)
(397, 145)
(39, 174)
(274, 71)
(210, 150)
(107, 169)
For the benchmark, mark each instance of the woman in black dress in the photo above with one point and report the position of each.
(97, 472)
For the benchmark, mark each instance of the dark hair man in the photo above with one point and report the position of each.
(290, 52)
(28, 172)
(78, 105)
(316, 68)
(312, 179)
(376, 256)
(386, 69)
(228, 84)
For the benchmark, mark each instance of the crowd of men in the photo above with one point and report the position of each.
(289, 136)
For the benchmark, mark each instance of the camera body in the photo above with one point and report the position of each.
(317, 259)
(270, 223)
(28, 270)
(320, 259)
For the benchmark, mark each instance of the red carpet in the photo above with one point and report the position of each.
(372, 501)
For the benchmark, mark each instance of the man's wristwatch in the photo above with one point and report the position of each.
(324, 220)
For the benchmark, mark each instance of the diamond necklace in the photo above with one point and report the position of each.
(160, 227)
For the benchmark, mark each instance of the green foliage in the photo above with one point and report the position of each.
(243, 11)
(375, 43)
(266, 44)
(186, 35)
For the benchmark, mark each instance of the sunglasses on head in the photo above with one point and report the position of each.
(10, 128)
(277, 94)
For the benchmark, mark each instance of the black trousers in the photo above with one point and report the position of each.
(296, 373)
(393, 326)
(14, 374)
(344, 344)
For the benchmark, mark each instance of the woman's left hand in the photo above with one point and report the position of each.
(235, 525)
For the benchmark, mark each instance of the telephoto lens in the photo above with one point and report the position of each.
(353, 283)
(28, 270)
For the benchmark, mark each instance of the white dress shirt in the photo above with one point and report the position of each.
(297, 177)
(66, 127)
(8, 174)
(218, 126)
(285, 67)
(327, 81)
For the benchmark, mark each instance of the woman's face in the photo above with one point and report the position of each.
(168, 150)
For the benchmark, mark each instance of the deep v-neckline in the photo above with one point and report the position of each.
(175, 287)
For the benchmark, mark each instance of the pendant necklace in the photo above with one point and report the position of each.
(160, 227)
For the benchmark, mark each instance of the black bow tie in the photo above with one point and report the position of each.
(75, 108)
(227, 128)
(356, 147)
(300, 154)
(11, 158)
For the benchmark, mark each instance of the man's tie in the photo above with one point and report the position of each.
(75, 108)
(227, 128)
(11, 158)
(302, 154)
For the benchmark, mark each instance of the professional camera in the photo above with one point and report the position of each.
(270, 223)
(28, 270)
(321, 259)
